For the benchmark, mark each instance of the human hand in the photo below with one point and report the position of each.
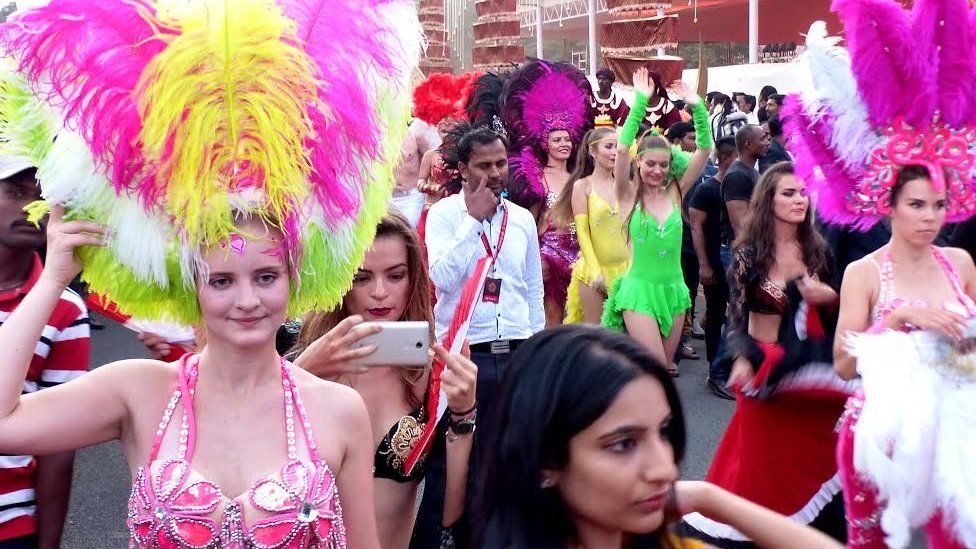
(684, 92)
(332, 355)
(741, 376)
(706, 275)
(459, 380)
(815, 292)
(158, 347)
(643, 82)
(63, 238)
(480, 201)
(929, 318)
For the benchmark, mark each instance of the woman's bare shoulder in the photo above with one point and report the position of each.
(859, 269)
(137, 370)
(326, 398)
(960, 259)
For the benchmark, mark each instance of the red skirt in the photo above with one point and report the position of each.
(779, 452)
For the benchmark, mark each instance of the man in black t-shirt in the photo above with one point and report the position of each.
(708, 222)
(752, 143)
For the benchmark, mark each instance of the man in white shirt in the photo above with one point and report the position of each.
(460, 229)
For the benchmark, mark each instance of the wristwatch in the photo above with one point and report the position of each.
(457, 428)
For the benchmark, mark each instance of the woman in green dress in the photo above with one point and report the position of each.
(651, 299)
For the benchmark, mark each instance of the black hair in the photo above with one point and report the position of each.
(750, 100)
(908, 173)
(726, 101)
(724, 147)
(766, 91)
(679, 104)
(678, 131)
(775, 126)
(778, 98)
(559, 382)
(482, 135)
(26, 173)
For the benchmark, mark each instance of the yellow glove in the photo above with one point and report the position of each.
(587, 254)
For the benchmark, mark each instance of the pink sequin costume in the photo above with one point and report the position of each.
(559, 249)
(174, 507)
(860, 495)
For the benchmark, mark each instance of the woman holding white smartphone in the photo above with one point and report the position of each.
(392, 286)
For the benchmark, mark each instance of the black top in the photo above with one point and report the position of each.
(738, 185)
(392, 453)
(751, 291)
(687, 243)
(775, 153)
(708, 199)
(964, 236)
(849, 245)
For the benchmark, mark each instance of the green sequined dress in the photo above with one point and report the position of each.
(654, 285)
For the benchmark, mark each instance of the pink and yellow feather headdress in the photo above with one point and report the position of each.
(172, 119)
(899, 95)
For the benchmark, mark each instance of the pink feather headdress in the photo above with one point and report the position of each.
(899, 95)
(539, 98)
(177, 118)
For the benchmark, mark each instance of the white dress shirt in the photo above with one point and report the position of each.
(454, 246)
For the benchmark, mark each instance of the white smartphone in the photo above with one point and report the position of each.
(398, 344)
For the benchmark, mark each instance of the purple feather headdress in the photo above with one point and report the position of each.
(539, 98)
(898, 96)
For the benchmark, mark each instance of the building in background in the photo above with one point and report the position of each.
(497, 36)
(722, 24)
(437, 55)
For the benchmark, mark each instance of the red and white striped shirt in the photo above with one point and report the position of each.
(61, 354)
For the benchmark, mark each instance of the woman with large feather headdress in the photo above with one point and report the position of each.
(222, 164)
(546, 109)
(885, 128)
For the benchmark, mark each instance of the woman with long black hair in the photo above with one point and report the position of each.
(586, 449)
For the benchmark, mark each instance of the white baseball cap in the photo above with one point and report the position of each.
(12, 165)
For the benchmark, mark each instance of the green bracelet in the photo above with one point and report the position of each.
(629, 132)
(703, 130)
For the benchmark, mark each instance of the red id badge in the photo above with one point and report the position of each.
(492, 291)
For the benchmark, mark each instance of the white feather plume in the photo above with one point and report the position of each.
(68, 176)
(832, 90)
(916, 434)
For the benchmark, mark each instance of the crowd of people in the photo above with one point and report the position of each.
(553, 238)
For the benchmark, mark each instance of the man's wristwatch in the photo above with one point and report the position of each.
(457, 428)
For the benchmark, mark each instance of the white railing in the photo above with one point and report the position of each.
(555, 11)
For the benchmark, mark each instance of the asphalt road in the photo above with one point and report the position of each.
(101, 485)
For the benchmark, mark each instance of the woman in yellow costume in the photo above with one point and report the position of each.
(589, 201)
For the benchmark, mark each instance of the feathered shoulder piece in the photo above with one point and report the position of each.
(174, 119)
(899, 95)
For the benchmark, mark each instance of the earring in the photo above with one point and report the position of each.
(547, 482)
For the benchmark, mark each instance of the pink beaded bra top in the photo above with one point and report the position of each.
(888, 300)
(174, 507)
